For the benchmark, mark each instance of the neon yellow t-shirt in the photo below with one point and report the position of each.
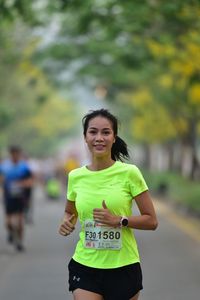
(117, 185)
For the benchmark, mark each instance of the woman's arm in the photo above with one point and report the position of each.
(147, 220)
(69, 220)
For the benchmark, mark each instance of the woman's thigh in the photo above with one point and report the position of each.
(80, 294)
(135, 297)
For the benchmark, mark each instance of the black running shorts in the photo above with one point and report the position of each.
(113, 284)
(14, 205)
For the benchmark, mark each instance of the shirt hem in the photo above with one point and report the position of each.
(103, 266)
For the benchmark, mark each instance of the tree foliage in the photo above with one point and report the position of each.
(144, 54)
(32, 113)
(13, 9)
(130, 47)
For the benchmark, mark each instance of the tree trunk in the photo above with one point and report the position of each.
(190, 142)
(147, 156)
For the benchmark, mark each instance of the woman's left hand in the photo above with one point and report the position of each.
(104, 216)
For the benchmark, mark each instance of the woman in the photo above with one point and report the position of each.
(106, 263)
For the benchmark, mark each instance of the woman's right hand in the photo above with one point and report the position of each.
(67, 225)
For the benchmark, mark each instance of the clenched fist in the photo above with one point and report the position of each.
(67, 225)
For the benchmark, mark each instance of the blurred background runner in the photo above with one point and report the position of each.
(17, 180)
(53, 188)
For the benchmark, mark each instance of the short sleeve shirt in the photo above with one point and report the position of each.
(118, 185)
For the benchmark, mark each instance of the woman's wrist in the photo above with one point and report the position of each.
(116, 221)
(66, 216)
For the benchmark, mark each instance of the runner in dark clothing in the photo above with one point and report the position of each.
(16, 177)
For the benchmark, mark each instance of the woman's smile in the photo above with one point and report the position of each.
(99, 147)
(100, 136)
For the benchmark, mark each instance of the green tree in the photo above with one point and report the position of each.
(26, 93)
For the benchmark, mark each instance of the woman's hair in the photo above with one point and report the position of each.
(119, 148)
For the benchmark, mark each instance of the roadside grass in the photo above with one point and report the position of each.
(180, 191)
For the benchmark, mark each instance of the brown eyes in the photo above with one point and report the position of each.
(95, 132)
(92, 131)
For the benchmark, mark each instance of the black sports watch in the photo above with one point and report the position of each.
(123, 221)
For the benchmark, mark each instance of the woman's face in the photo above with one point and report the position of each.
(100, 137)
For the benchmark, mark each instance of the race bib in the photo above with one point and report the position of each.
(15, 190)
(99, 236)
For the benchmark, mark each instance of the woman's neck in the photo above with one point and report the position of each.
(100, 164)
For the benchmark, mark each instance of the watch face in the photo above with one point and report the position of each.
(124, 222)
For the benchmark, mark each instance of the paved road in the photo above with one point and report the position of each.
(170, 258)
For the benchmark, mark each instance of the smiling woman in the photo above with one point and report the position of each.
(106, 123)
(100, 138)
(106, 262)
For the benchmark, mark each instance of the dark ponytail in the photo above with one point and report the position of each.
(119, 149)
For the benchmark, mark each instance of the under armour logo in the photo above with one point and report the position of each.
(76, 278)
